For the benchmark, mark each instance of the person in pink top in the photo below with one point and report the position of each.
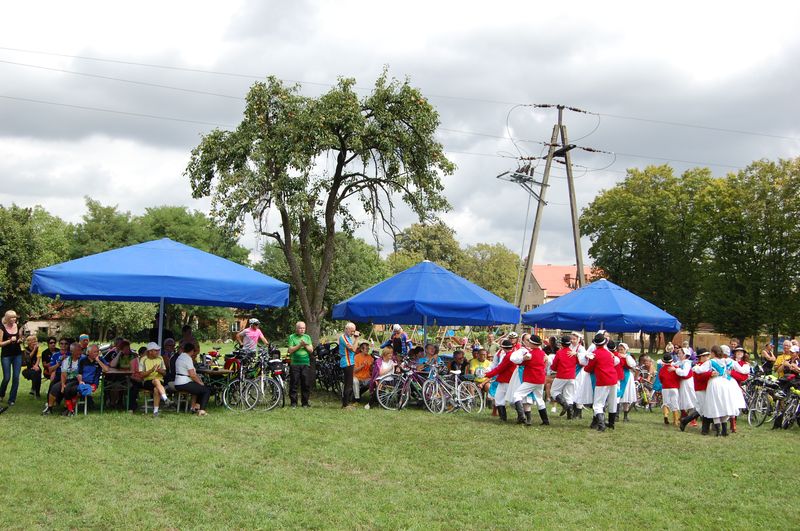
(250, 336)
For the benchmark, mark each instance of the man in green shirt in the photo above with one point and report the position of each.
(300, 346)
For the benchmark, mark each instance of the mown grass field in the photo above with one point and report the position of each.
(327, 468)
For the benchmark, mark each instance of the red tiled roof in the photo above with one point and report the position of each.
(551, 277)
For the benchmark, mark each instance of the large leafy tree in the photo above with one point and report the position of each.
(318, 163)
(753, 275)
(32, 238)
(648, 235)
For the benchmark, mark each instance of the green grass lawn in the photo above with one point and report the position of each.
(328, 468)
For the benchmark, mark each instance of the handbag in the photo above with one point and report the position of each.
(27, 373)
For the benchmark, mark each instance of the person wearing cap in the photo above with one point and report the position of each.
(626, 394)
(700, 386)
(723, 398)
(153, 370)
(83, 339)
(686, 394)
(503, 370)
(250, 336)
(602, 366)
(584, 393)
(564, 365)
(399, 341)
(533, 360)
(670, 390)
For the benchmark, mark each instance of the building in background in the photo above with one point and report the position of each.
(550, 282)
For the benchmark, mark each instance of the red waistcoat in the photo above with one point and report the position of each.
(534, 371)
(669, 379)
(602, 365)
(564, 364)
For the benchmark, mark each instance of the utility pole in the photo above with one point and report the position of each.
(559, 146)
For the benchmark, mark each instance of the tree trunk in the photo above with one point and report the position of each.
(313, 328)
(691, 338)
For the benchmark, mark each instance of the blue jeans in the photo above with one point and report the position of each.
(11, 363)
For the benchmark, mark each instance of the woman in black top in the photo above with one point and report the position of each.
(10, 355)
(34, 369)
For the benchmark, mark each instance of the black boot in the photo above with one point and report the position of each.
(601, 422)
(528, 418)
(569, 412)
(562, 401)
(687, 419)
(625, 416)
(776, 424)
(593, 425)
(612, 418)
(577, 412)
(724, 429)
(520, 412)
(501, 410)
(716, 429)
(543, 416)
(706, 426)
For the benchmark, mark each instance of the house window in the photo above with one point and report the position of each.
(236, 326)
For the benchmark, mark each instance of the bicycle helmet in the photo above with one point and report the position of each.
(253, 321)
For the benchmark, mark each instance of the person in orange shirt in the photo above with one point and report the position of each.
(362, 371)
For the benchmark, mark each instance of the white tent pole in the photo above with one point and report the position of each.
(160, 321)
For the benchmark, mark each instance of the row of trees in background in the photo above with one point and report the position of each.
(35, 238)
(725, 251)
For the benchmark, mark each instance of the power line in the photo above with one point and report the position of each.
(123, 80)
(316, 83)
(698, 126)
(114, 111)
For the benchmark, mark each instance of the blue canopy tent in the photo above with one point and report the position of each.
(427, 293)
(602, 305)
(162, 271)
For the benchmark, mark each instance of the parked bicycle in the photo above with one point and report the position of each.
(761, 393)
(241, 394)
(451, 393)
(329, 374)
(395, 391)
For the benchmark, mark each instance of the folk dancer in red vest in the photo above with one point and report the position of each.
(603, 367)
(723, 397)
(700, 385)
(670, 394)
(564, 365)
(504, 371)
(686, 395)
(740, 373)
(627, 385)
(533, 361)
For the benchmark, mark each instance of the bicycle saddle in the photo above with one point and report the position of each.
(455, 372)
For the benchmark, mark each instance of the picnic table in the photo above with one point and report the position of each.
(121, 383)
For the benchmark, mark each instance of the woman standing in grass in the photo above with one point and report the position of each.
(11, 355)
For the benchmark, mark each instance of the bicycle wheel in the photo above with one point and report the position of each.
(789, 413)
(240, 395)
(433, 396)
(469, 398)
(389, 392)
(270, 395)
(758, 411)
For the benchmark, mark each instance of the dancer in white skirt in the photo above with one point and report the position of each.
(700, 385)
(504, 370)
(627, 386)
(584, 390)
(723, 398)
(686, 395)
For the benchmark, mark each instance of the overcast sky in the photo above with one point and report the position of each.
(719, 65)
